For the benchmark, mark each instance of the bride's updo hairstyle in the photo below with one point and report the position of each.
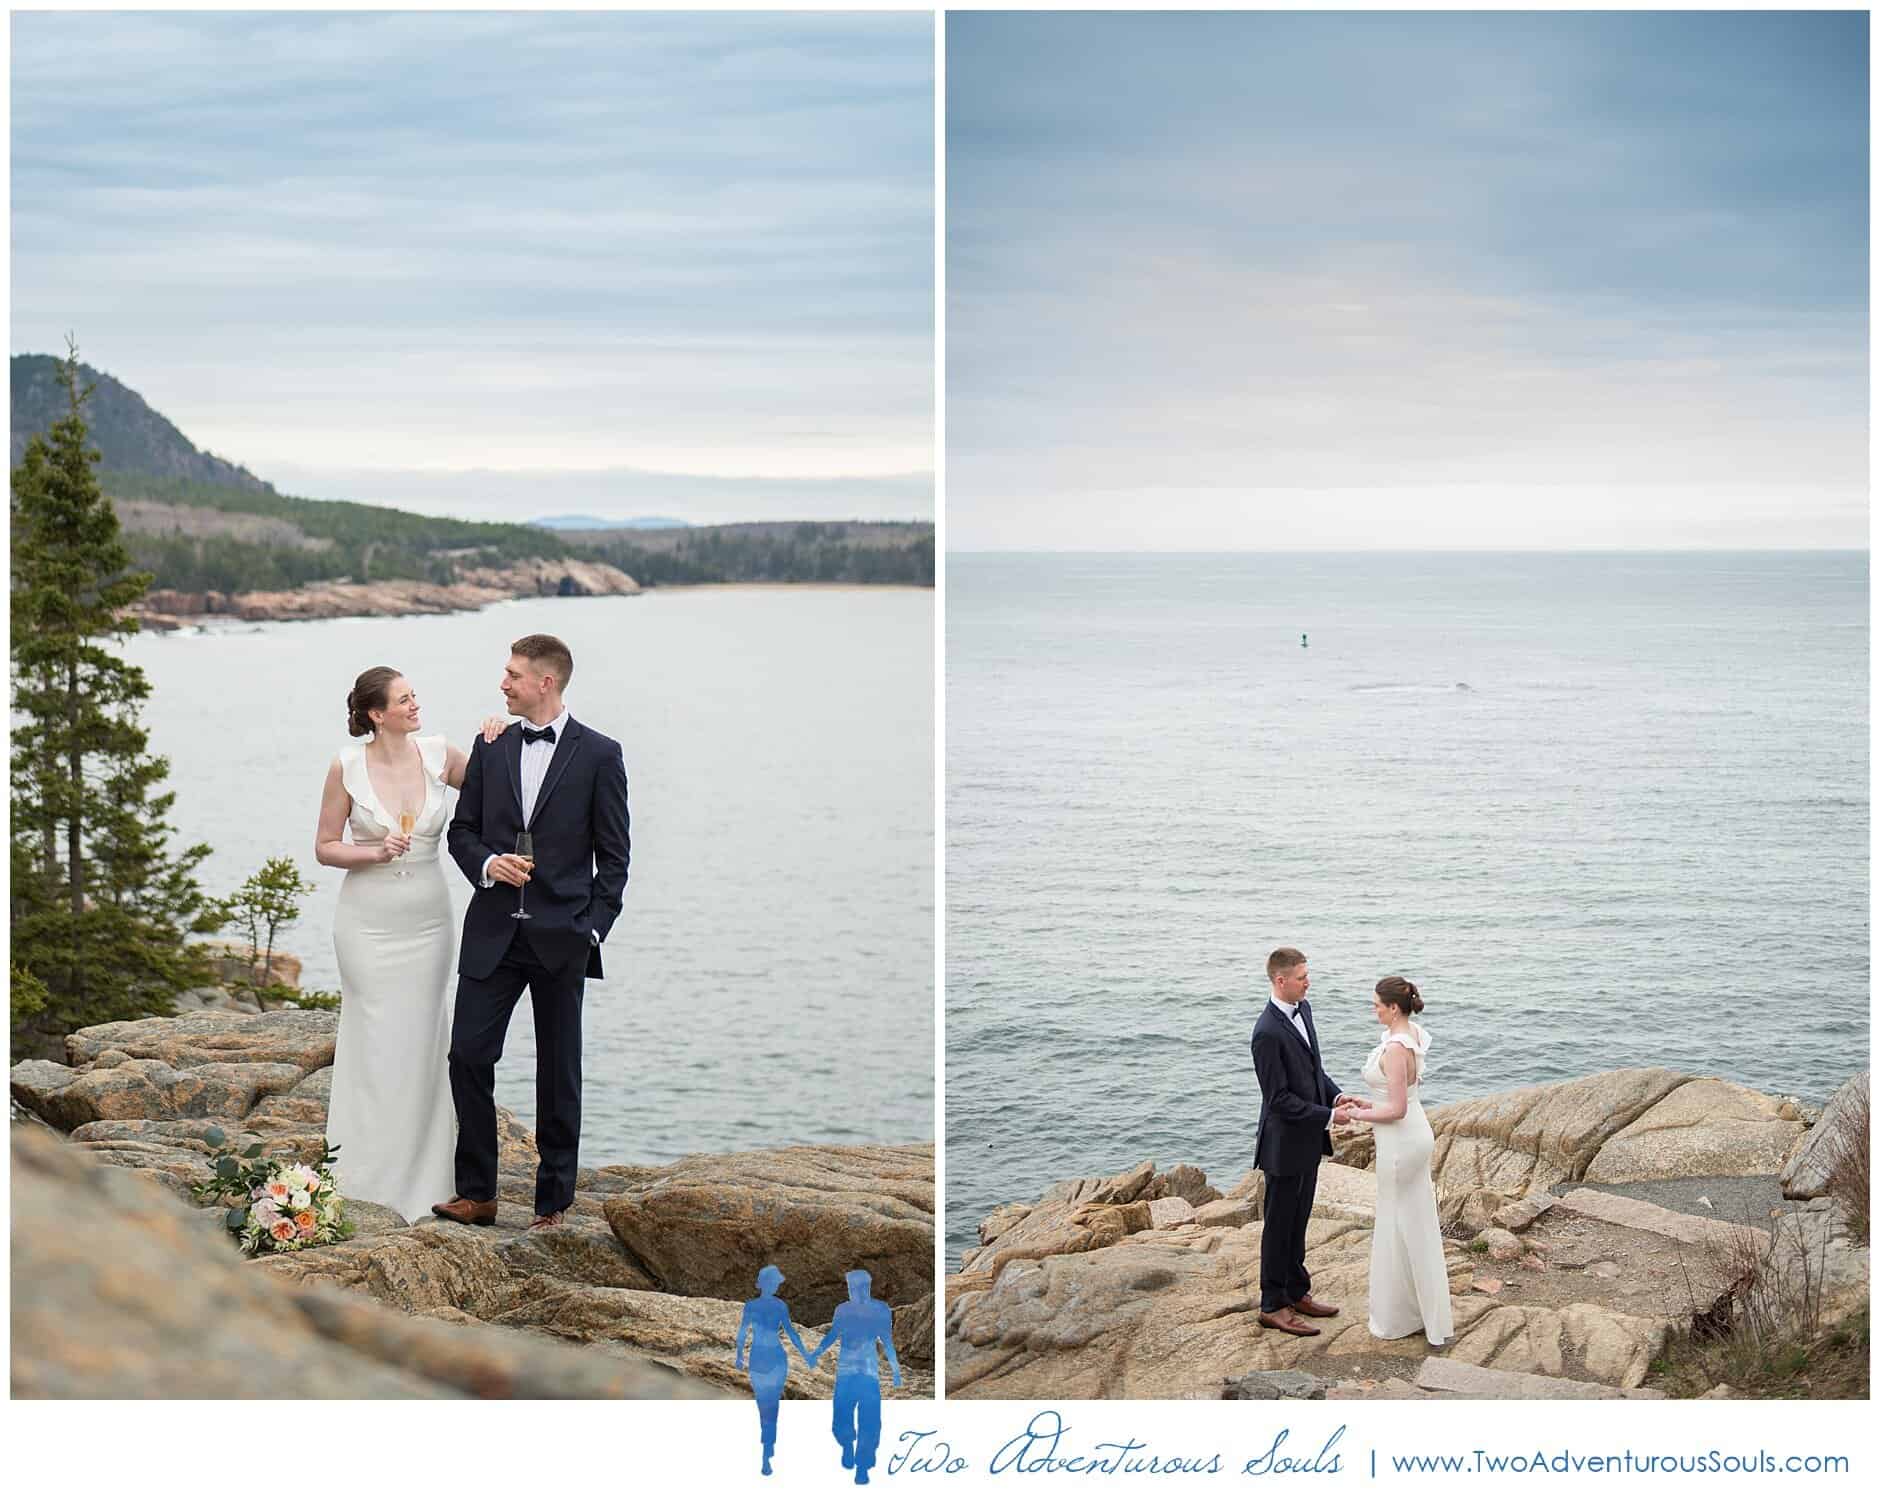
(1395, 991)
(368, 696)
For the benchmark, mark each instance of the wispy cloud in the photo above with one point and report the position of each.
(1483, 279)
(418, 243)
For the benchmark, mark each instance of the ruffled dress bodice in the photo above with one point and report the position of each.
(1417, 1041)
(370, 822)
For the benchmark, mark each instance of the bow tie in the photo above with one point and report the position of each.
(529, 736)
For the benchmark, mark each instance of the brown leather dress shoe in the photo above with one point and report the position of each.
(1283, 1320)
(550, 1219)
(462, 1209)
(1305, 1305)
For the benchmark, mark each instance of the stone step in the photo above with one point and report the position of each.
(1518, 1216)
(1274, 1384)
(1467, 1381)
(1643, 1216)
(1381, 1389)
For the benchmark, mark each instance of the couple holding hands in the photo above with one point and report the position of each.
(1299, 1105)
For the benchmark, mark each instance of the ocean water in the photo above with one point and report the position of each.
(771, 979)
(1605, 810)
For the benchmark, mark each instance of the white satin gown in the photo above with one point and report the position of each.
(390, 1112)
(1409, 1281)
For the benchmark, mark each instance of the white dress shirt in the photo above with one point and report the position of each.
(536, 755)
(1293, 1015)
(1290, 1011)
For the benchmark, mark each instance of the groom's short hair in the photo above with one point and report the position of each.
(1282, 960)
(547, 651)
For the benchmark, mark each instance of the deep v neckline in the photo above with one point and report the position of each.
(390, 811)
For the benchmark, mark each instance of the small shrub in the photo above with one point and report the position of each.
(267, 902)
(1850, 1164)
(295, 996)
(1763, 1336)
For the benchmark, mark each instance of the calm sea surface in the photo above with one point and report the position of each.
(1605, 810)
(771, 979)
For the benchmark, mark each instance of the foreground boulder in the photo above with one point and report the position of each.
(1844, 1125)
(160, 1098)
(303, 1037)
(115, 1088)
(121, 1292)
(1616, 1126)
(1704, 1127)
(705, 1225)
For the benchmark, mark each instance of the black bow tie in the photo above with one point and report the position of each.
(529, 736)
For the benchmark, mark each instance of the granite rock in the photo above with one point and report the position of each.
(703, 1226)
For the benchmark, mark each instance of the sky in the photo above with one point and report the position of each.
(1394, 280)
(498, 265)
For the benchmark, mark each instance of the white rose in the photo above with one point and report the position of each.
(299, 1199)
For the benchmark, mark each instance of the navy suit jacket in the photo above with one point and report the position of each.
(1296, 1094)
(582, 847)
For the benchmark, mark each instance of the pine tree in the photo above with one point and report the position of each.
(101, 909)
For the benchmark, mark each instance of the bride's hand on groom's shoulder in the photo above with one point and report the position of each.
(493, 728)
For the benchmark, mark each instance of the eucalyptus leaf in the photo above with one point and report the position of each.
(236, 1218)
(215, 1137)
(227, 1168)
(253, 1151)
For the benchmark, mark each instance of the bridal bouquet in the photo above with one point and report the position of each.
(280, 1205)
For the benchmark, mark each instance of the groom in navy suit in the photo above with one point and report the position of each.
(566, 786)
(1298, 1105)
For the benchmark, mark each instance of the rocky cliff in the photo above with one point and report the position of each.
(122, 1287)
(1587, 1223)
(476, 587)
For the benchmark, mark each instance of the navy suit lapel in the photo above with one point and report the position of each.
(511, 744)
(558, 762)
(1305, 1016)
(1282, 1025)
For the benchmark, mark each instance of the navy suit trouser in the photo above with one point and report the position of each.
(1288, 1204)
(478, 1027)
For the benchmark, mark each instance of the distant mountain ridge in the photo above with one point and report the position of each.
(132, 436)
(591, 522)
(201, 525)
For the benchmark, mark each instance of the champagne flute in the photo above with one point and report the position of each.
(407, 821)
(525, 847)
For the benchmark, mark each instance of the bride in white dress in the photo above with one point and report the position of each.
(390, 1112)
(1409, 1280)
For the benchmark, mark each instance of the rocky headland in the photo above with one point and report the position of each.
(1588, 1223)
(124, 1287)
(475, 587)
